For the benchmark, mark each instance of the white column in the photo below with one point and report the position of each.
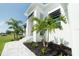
(27, 32)
(73, 10)
(34, 33)
(28, 29)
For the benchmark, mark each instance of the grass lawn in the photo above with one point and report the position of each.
(3, 40)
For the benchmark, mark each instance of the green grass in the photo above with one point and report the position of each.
(3, 40)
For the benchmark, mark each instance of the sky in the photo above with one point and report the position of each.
(14, 10)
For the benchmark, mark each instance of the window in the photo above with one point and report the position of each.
(44, 3)
(55, 14)
(31, 15)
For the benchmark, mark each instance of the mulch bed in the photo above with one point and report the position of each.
(52, 49)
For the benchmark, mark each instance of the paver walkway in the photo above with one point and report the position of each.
(16, 48)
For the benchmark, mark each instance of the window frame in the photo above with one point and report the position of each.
(59, 7)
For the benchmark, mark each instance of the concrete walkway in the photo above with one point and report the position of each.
(16, 48)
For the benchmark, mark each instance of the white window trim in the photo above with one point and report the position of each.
(31, 12)
(59, 7)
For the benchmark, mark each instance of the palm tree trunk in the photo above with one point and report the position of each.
(48, 39)
(43, 42)
(17, 36)
(14, 37)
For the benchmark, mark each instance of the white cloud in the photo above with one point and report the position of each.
(3, 26)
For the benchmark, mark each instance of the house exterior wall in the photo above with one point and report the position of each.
(70, 31)
(34, 33)
(36, 36)
(65, 33)
(73, 10)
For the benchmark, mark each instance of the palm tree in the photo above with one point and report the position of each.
(53, 24)
(39, 27)
(48, 23)
(15, 25)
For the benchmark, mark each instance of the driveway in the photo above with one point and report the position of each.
(16, 48)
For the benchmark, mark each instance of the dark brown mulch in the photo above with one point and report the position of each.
(52, 49)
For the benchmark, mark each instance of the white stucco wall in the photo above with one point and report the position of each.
(65, 34)
(73, 10)
(36, 36)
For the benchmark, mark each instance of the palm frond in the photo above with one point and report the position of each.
(63, 18)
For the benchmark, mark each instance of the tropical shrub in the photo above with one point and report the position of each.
(16, 26)
(48, 24)
(43, 50)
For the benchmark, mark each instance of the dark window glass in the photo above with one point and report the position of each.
(55, 14)
(30, 14)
